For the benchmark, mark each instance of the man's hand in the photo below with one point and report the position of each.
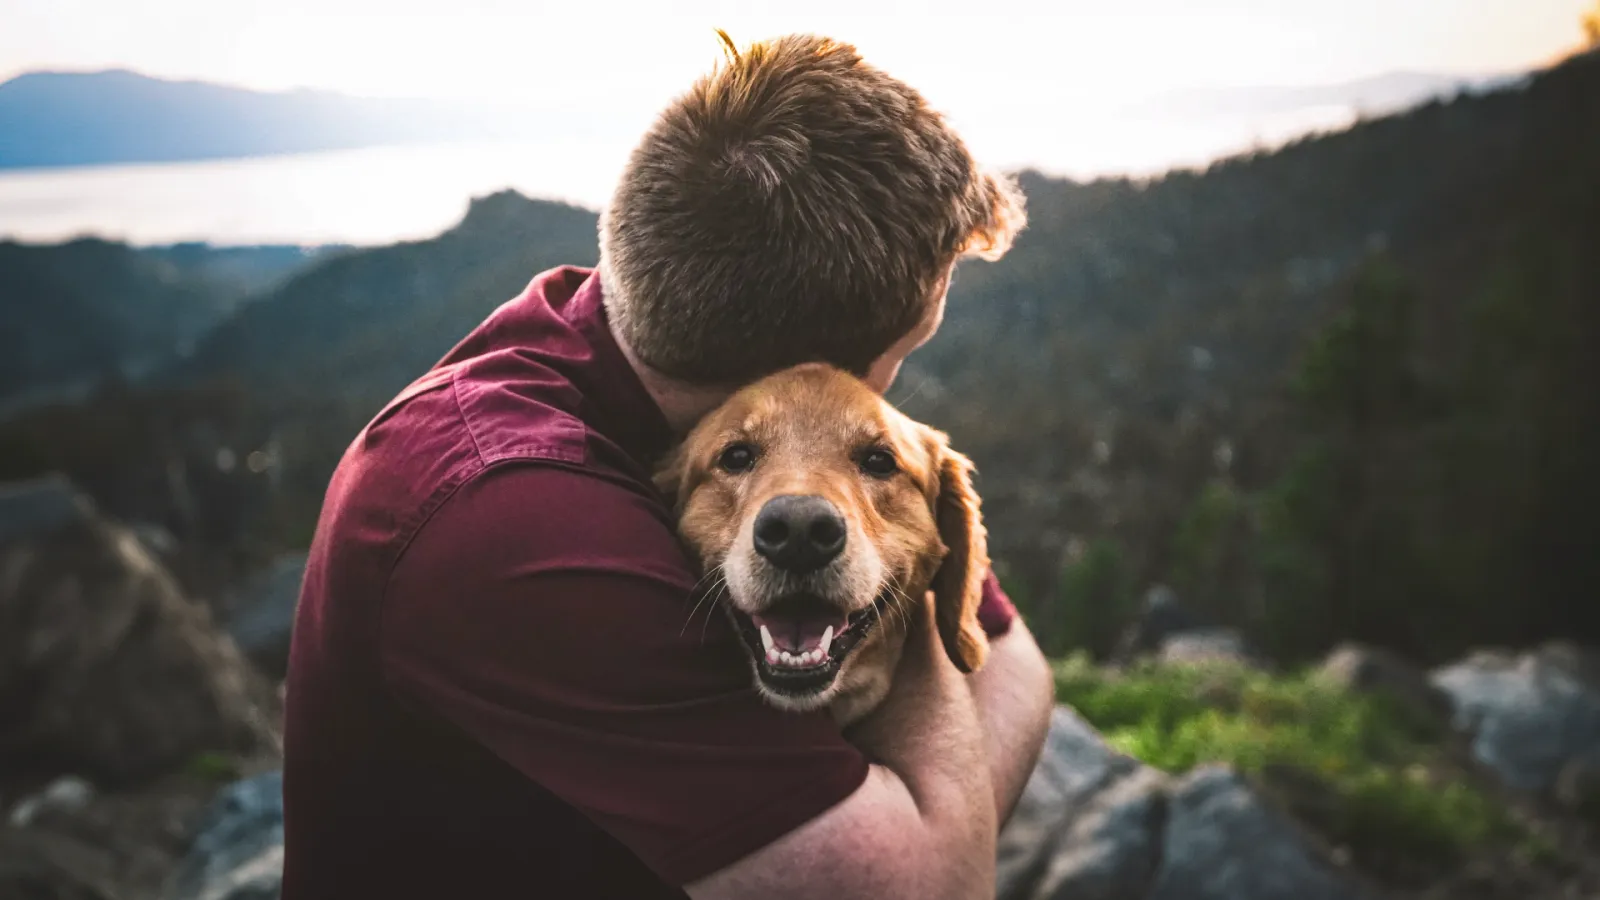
(924, 822)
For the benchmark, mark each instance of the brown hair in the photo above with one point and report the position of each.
(795, 205)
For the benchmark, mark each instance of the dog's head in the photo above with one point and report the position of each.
(823, 512)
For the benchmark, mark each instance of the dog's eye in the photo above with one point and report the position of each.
(879, 463)
(737, 458)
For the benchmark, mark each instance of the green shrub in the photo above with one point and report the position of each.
(1385, 789)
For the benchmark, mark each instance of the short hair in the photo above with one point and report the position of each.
(795, 205)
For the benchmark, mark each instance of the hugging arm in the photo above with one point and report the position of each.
(951, 755)
(1014, 693)
(923, 823)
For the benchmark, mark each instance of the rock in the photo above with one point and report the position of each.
(1528, 715)
(160, 541)
(114, 846)
(39, 507)
(106, 668)
(1111, 846)
(1074, 765)
(1577, 785)
(67, 794)
(1222, 841)
(1361, 669)
(238, 851)
(1094, 824)
(1160, 617)
(1172, 633)
(1202, 646)
(262, 615)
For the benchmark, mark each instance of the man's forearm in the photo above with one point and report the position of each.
(1014, 692)
(942, 762)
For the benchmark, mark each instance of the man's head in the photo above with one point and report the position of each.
(796, 205)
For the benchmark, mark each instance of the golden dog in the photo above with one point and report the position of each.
(820, 513)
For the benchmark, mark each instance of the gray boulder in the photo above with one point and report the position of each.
(1361, 669)
(106, 668)
(1094, 824)
(237, 852)
(1527, 715)
(1206, 645)
(1075, 768)
(1578, 784)
(1223, 842)
(261, 616)
(1173, 633)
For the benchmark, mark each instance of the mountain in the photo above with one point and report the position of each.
(1376, 95)
(76, 313)
(117, 116)
(370, 321)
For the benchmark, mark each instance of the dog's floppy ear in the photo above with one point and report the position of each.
(958, 585)
(669, 476)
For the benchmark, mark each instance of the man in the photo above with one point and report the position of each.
(496, 688)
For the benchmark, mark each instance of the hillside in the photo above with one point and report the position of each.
(78, 312)
(117, 116)
(1147, 339)
(370, 321)
(1325, 392)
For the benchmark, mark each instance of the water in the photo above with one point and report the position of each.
(382, 195)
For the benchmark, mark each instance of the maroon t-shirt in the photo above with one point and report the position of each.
(499, 684)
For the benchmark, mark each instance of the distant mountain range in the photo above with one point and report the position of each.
(52, 119)
(1373, 96)
(93, 118)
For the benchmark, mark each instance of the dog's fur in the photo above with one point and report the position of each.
(913, 535)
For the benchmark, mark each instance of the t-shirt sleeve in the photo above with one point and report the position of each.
(995, 612)
(552, 617)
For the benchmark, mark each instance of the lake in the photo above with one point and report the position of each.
(386, 194)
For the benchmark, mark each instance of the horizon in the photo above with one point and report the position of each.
(480, 50)
(1093, 92)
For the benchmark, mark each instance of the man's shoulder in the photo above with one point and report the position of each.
(563, 517)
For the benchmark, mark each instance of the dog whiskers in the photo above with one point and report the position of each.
(722, 590)
(902, 605)
(715, 573)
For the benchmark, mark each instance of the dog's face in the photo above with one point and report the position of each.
(820, 513)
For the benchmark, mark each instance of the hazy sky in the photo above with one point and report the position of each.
(633, 54)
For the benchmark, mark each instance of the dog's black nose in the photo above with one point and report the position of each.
(799, 534)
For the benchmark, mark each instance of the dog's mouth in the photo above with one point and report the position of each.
(800, 642)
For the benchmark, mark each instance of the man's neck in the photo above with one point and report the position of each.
(682, 404)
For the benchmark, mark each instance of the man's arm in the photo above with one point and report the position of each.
(922, 825)
(1014, 692)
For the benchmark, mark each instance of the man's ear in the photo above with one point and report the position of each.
(958, 585)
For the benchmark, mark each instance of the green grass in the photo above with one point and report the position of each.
(1358, 769)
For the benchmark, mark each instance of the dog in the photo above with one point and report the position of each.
(820, 513)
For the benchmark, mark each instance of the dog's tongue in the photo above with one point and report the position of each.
(798, 633)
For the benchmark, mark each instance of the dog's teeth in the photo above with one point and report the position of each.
(827, 638)
(766, 640)
(772, 655)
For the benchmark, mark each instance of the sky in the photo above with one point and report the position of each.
(1051, 85)
(633, 55)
